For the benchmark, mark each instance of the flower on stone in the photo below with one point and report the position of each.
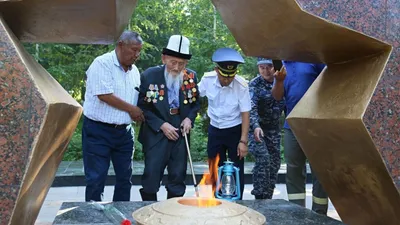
(126, 222)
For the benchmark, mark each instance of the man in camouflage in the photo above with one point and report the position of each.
(265, 131)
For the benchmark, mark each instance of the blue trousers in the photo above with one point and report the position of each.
(102, 143)
(221, 141)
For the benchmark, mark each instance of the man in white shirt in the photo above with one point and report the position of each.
(109, 109)
(229, 108)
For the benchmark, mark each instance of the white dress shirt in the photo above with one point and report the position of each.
(105, 76)
(225, 104)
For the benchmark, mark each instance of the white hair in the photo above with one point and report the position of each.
(171, 79)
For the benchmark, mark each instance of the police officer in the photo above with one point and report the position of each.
(228, 108)
(292, 87)
(264, 135)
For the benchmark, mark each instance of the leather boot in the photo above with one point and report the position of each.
(171, 195)
(260, 197)
(147, 196)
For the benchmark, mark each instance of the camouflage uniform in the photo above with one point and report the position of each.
(265, 113)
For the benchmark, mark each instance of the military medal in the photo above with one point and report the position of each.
(156, 87)
(151, 87)
(148, 94)
(161, 92)
(161, 98)
(162, 85)
(154, 100)
(188, 87)
(149, 100)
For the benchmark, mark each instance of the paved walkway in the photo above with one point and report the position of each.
(56, 196)
(72, 174)
(75, 168)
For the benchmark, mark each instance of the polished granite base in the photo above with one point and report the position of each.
(277, 212)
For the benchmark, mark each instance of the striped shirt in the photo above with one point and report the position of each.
(105, 76)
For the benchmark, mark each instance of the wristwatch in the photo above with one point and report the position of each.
(244, 142)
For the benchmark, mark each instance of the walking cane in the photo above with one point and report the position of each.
(191, 165)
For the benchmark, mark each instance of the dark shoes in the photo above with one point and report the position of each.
(148, 196)
(260, 197)
(171, 195)
(263, 196)
(153, 197)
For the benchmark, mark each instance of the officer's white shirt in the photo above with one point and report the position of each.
(105, 76)
(225, 104)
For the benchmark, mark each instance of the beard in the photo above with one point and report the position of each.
(174, 79)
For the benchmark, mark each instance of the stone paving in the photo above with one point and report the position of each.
(72, 173)
(57, 195)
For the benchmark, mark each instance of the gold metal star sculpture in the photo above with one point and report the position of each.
(38, 117)
(328, 120)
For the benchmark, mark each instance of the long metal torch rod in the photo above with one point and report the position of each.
(191, 166)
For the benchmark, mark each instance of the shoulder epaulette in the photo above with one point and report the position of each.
(242, 81)
(210, 74)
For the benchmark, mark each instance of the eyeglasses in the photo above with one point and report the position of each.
(180, 64)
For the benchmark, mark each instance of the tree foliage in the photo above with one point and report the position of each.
(156, 21)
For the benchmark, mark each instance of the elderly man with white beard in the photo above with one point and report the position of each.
(169, 100)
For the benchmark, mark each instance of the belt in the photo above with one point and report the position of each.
(116, 126)
(174, 111)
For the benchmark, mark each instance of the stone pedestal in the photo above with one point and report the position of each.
(38, 117)
(351, 141)
(37, 120)
(277, 212)
(379, 19)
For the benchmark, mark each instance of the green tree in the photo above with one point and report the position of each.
(156, 21)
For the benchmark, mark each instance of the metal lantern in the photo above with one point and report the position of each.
(228, 183)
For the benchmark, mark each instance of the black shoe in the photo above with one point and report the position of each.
(148, 196)
(321, 211)
(171, 195)
(260, 197)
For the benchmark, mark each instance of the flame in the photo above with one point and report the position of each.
(207, 195)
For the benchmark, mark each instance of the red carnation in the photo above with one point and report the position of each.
(126, 222)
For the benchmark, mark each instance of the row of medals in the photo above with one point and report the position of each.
(191, 91)
(154, 92)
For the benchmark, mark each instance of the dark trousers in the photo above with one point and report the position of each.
(100, 144)
(296, 176)
(267, 155)
(170, 154)
(221, 141)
